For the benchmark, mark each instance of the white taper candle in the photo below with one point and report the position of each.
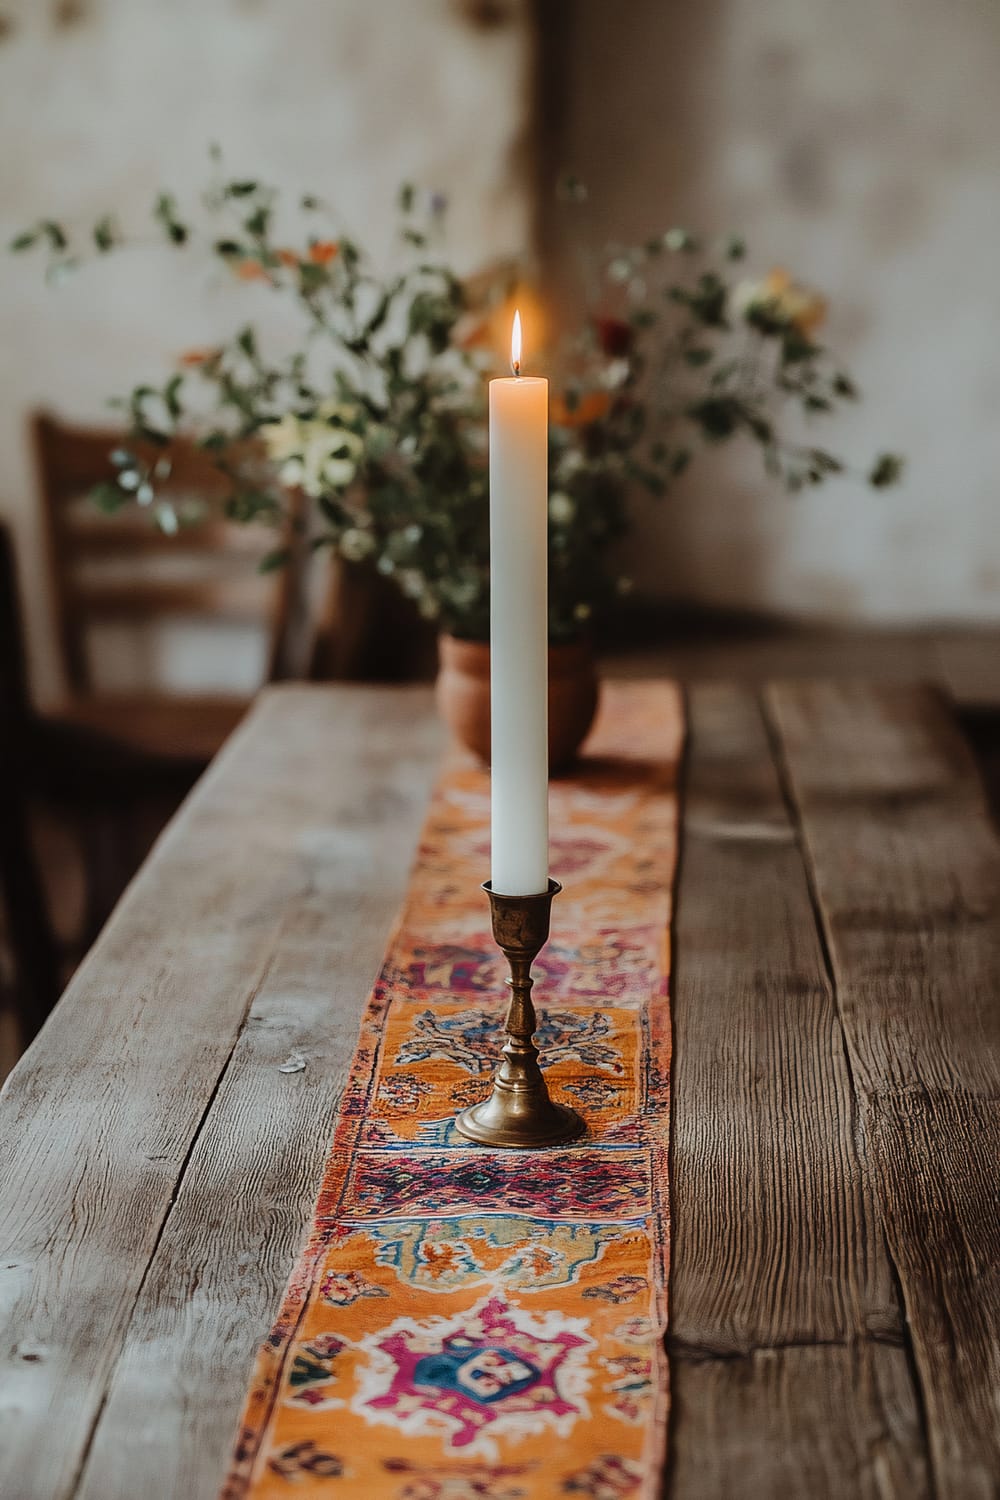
(519, 633)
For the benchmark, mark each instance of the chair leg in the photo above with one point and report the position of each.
(32, 941)
(106, 869)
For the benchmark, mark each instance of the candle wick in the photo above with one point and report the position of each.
(517, 368)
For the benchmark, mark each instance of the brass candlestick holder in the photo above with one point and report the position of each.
(519, 1112)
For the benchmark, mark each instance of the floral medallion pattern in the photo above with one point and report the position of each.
(467, 1323)
(469, 1379)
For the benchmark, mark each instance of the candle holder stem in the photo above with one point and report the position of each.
(519, 1113)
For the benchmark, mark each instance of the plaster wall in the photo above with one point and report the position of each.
(857, 144)
(104, 102)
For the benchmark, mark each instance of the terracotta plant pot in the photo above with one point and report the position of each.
(463, 696)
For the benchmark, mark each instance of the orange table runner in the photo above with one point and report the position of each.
(466, 1322)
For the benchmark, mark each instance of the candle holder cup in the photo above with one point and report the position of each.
(519, 1113)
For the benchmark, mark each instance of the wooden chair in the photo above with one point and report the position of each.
(100, 790)
(120, 570)
(29, 931)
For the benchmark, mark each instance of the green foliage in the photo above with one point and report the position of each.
(274, 560)
(377, 416)
(165, 214)
(887, 469)
(105, 234)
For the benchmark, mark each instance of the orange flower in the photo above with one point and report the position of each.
(288, 257)
(251, 270)
(782, 299)
(590, 408)
(193, 357)
(804, 308)
(323, 251)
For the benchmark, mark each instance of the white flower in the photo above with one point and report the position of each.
(318, 453)
(782, 300)
(340, 469)
(329, 458)
(166, 519)
(744, 295)
(616, 374)
(356, 544)
(291, 472)
(282, 439)
(562, 508)
(570, 463)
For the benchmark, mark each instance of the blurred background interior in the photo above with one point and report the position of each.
(855, 144)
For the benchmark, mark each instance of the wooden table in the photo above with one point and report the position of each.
(836, 1250)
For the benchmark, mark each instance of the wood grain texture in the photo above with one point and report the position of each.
(906, 869)
(799, 1422)
(247, 1194)
(110, 1116)
(835, 1296)
(785, 1319)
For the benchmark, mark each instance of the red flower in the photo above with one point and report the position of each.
(615, 337)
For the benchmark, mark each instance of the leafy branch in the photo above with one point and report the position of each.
(377, 416)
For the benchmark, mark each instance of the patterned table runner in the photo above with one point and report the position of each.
(466, 1322)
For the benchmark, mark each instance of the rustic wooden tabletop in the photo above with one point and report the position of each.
(836, 1101)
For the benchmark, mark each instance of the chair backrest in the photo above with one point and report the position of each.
(14, 697)
(122, 568)
(23, 911)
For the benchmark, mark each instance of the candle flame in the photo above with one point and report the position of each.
(515, 343)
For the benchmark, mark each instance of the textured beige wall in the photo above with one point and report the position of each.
(103, 101)
(857, 143)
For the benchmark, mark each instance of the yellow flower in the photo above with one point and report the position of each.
(283, 439)
(777, 296)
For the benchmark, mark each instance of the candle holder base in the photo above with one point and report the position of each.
(519, 1124)
(519, 1115)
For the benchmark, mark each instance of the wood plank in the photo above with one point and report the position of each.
(754, 654)
(968, 664)
(187, 726)
(131, 535)
(247, 1193)
(906, 869)
(238, 597)
(772, 1424)
(98, 1119)
(785, 1319)
(964, 662)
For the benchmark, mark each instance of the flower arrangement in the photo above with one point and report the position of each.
(377, 414)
